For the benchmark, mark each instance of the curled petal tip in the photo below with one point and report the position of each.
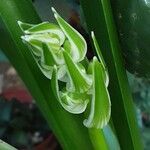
(26, 32)
(92, 34)
(53, 10)
(23, 37)
(56, 16)
(95, 58)
(19, 22)
(55, 67)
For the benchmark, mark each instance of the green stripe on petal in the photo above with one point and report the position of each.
(75, 103)
(58, 56)
(37, 40)
(54, 83)
(62, 73)
(79, 80)
(45, 68)
(100, 103)
(36, 49)
(46, 27)
(77, 42)
(47, 58)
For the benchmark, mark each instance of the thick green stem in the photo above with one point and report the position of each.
(98, 139)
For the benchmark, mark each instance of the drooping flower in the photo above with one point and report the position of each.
(59, 51)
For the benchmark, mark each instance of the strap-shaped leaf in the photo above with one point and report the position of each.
(79, 80)
(100, 103)
(100, 56)
(77, 42)
(75, 103)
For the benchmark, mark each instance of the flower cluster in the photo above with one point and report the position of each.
(60, 52)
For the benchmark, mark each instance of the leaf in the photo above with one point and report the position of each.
(100, 104)
(77, 42)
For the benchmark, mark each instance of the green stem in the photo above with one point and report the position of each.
(98, 139)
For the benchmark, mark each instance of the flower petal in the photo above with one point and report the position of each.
(79, 80)
(75, 103)
(100, 104)
(46, 27)
(77, 42)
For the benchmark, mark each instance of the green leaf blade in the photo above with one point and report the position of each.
(105, 32)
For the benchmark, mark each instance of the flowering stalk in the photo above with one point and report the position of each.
(32, 64)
